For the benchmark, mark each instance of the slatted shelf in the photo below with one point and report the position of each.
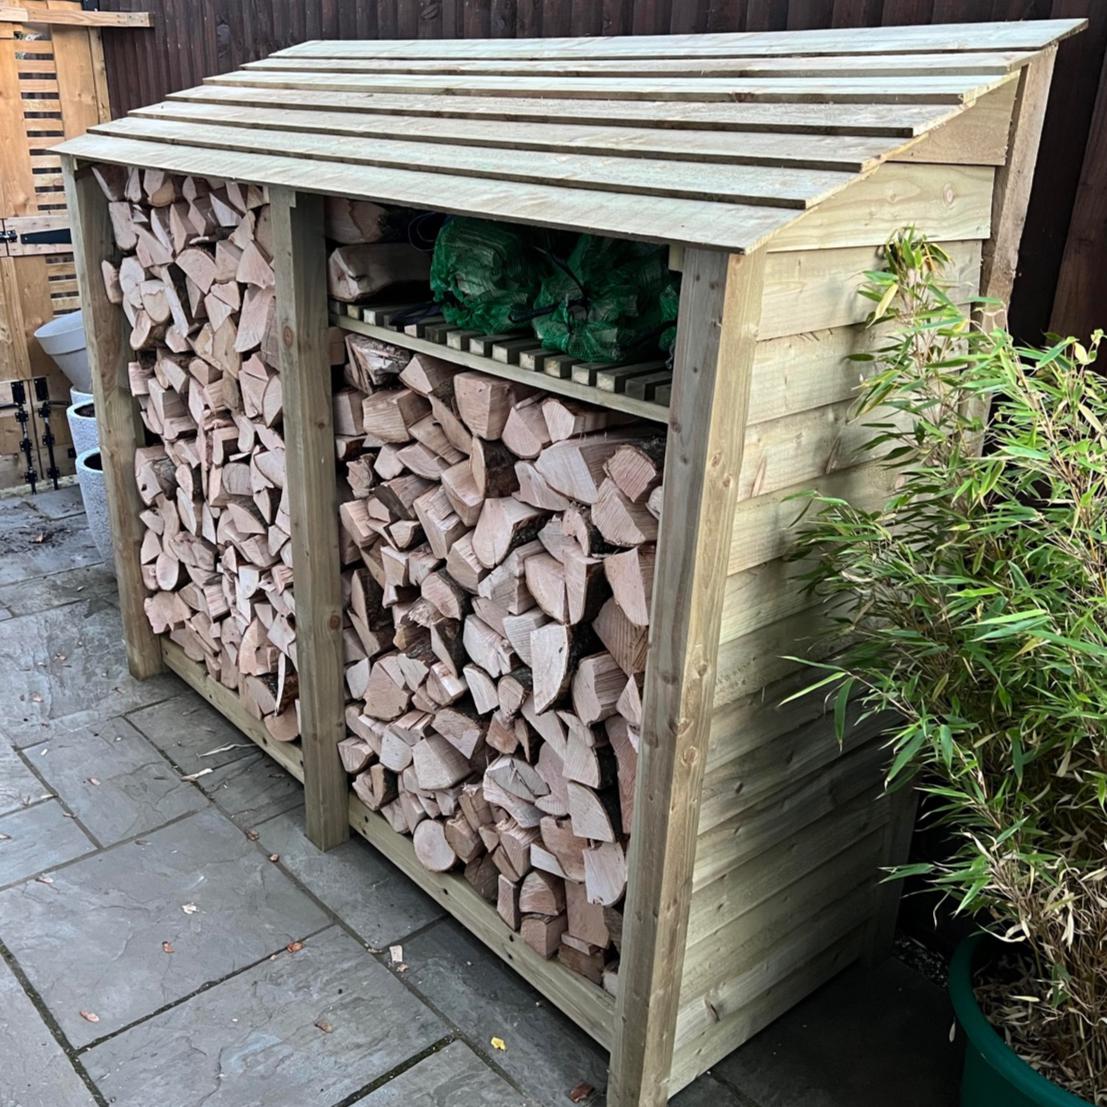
(641, 388)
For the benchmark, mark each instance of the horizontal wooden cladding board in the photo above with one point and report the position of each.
(715, 904)
(590, 1007)
(844, 153)
(989, 63)
(978, 136)
(1032, 35)
(878, 120)
(807, 290)
(778, 186)
(944, 202)
(866, 90)
(736, 227)
(705, 1034)
(765, 526)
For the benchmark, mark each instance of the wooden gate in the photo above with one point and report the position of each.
(52, 86)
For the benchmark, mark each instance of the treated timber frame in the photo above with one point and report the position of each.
(714, 675)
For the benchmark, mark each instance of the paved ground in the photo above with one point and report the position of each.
(145, 920)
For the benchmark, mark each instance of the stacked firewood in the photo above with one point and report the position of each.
(196, 283)
(499, 548)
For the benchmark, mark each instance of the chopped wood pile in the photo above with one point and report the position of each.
(499, 548)
(196, 283)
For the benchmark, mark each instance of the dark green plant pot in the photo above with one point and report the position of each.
(994, 1075)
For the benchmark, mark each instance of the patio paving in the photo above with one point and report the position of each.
(154, 954)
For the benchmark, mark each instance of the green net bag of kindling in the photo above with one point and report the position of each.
(484, 275)
(609, 301)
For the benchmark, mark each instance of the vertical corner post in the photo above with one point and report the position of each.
(117, 415)
(720, 308)
(299, 260)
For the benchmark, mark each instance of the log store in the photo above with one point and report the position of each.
(452, 395)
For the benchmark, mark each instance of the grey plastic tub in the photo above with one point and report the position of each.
(63, 338)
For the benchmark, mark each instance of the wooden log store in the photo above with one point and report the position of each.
(517, 617)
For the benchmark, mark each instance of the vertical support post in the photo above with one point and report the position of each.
(299, 261)
(903, 807)
(117, 414)
(720, 307)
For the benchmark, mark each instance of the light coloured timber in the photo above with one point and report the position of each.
(719, 303)
(826, 282)
(1032, 35)
(121, 429)
(63, 17)
(299, 263)
(977, 136)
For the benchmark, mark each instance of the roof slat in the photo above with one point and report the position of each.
(866, 90)
(904, 120)
(845, 153)
(994, 63)
(735, 184)
(923, 38)
(735, 227)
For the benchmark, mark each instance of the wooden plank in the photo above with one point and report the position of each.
(989, 63)
(720, 301)
(116, 411)
(776, 186)
(17, 184)
(845, 153)
(77, 81)
(690, 222)
(977, 136)
(288, 755)
(299, 262)
(904, 121)
(646, 410)
(812, 290)
(944, 202)
(589, 1007)
(1030, 35)
(10, 13)
(865, 90)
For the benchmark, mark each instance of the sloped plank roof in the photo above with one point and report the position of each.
(710, 140)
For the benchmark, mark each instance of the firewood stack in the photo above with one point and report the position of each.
(499, 550)
(196, 284)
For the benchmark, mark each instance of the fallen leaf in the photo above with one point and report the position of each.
(498, 1043)
(223, 749)
(38, 539)
(167, 947)
(93, 780)
(197, 775)
(294, 947)
(581, 1092)
(44, 879)
(60, 657)
(323, 1025)
(5, 837)
(274, 857)
(36, 697)
(252, 835)
(189, 908)
(90, 1016)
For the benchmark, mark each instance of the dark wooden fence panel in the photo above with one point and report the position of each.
(1062, 282)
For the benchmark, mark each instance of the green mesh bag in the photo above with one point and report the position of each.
(611, 300)
(485, 275)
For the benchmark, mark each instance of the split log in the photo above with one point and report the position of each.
(359, 272)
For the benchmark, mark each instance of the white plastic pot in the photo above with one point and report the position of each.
(82, 426)
(90, 476)
(63, 338)
(77, 397)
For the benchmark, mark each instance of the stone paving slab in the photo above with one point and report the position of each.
(34, 1070)
(452, 1077)
(65, 668)
(35, 839)
(259, 1037)
(56, 503)
(865, 1034)
(19, 787)
(93, 939)
(93, 582)
(245, 782)
(114, 780)
(39, 546)
(546, 1054)
(368, 893)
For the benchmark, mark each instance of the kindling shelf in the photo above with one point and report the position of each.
(640, 388)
